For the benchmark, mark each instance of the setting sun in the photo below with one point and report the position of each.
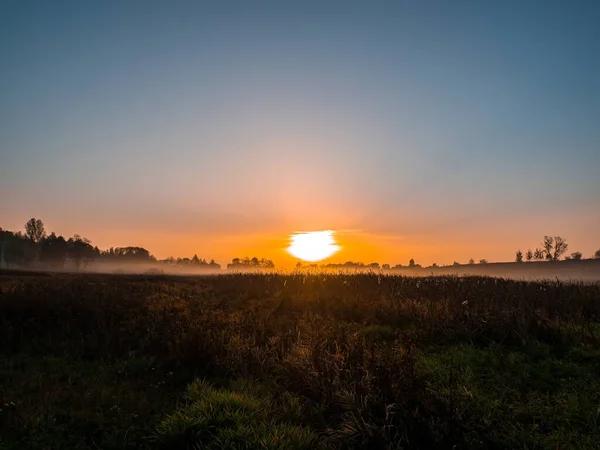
(313, 246)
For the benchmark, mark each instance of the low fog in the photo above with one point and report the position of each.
(575, 271)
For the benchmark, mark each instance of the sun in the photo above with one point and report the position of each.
(313, 245)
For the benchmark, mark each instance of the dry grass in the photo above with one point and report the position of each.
(346, 361)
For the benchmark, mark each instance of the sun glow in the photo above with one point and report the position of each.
(313, 246)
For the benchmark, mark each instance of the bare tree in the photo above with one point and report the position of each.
(529, 255)
(519, 256)
(34, 230)
(548, 245)
(538, 255)
(560, 247)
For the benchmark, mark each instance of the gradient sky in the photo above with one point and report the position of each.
(435, 130)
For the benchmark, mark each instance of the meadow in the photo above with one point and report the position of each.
(297, 361)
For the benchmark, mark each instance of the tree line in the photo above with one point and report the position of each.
(35, 247)
(551, 250)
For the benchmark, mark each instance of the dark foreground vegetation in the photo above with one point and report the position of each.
(297, 361)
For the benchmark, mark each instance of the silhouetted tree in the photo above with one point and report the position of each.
(471, 261)
(483, 261)
(373, 266)
(18, 249)
(529, 255)
(386, 267)
(169, 260)
(254, 263)
(133, 254)
(54, 250)
(519, 256)
(34, 230)
(456, 263)
(597, 254)
(560, 247)
(538, 255)
(554, 247)
(576, 256)
(548, 245)
(4, 236)
(80, 250)
(411, 263)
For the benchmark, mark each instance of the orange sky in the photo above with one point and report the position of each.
(434, 136)
(431, 243)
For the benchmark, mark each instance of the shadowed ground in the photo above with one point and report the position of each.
(297, 361)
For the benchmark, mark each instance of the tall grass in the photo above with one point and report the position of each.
(345, 361)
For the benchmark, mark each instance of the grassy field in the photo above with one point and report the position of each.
(297, 362)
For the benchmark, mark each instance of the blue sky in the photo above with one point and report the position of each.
(453, 128)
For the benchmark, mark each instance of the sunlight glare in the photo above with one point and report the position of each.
(313, 246)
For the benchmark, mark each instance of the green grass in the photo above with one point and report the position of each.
(348, 361)
(242, 417)
(529, 398)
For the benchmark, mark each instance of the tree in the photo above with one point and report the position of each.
(483, 261)
(519, 256)
(456, 263)
(5, 238)
(597, 254)
(80, 250)
(471, 261)
(134, 254)
(529, 255)
(538, 255)
(411, 263)
(576, 256)
(560, 247)
(247, 263)
(547, 246)
(387, 266)
(53, 250)
(34, 230)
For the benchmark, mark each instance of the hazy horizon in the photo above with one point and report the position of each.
(436, 131)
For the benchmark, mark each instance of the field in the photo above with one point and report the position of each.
(297, 362)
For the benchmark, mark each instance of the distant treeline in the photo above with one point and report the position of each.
(35, 248)
(553, 248)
